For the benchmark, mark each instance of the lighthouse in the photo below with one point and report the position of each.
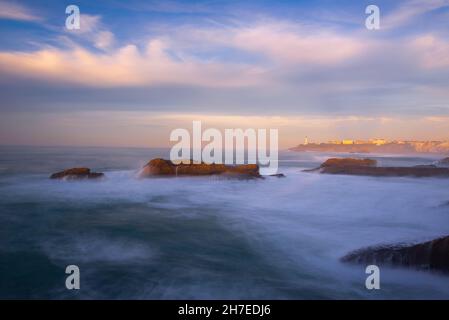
(306, 141)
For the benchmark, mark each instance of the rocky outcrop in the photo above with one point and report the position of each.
(444, 161)
(161, 167)
(367, 167)
(348, 162)
(77, 174)
(430, 255)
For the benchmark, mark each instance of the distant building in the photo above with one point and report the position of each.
(306, 141)
(348, 142)
(378, 142)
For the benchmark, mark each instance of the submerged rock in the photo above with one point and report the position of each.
(389, 171)
(77, 174)
(425, 166)
(162, 167)
(430, 255)
(277, 175)
(367, 167)
(444, 161)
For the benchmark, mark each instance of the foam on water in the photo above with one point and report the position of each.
(209, 237)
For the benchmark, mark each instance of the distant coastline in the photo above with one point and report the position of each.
(401, 147)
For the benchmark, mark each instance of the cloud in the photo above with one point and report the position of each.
(14, 11)
(192, 57)
(104, 40)
(320, 79)
(410, 10)
(440, 119)
(88, 24)
(268, 67)
(287, 46)
(145, 129)
(174, 60)
(126, 66)
(93, 30)
(432, 50)
(280, 42)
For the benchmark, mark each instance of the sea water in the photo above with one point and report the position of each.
(206, 237)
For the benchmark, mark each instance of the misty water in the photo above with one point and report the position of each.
(206, 237)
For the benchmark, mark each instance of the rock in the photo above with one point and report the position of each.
(367, 167)
(277, 175)
(77, 174)
(161, 167)
(444, 161)
(158, 167)
(348, 162)
(425, 166)
(430, 255)
(95, 175)
(388, 171)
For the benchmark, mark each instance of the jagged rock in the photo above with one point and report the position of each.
(77, 174)
(161, 167)
(430, 255)
(367, 167)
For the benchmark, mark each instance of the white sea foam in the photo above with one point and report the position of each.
(210, 238)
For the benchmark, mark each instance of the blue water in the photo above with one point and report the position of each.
(208, 238)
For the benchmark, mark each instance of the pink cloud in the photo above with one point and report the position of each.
(410, 10)
(282, 43)
(15, 11)
(433, 51)
(287, 46)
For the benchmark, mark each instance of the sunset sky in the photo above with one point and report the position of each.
(138, 69)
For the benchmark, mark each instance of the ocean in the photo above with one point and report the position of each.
(206, 237)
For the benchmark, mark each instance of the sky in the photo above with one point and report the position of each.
(135, 70)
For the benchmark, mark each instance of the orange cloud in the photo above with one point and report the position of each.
(126, 66)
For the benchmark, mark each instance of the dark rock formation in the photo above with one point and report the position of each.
(430, 255)
(444, 161)
(367, 167)
(77, 174)
(348, 162)
(161, 167)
